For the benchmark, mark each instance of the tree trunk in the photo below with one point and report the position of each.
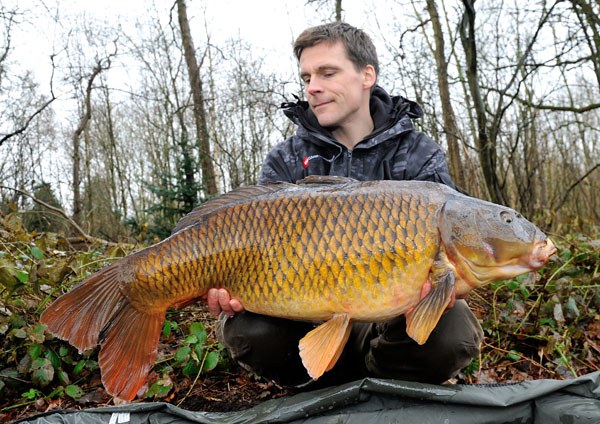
(83, 122)
(485, 145)
(450, 127)
(590, 21)
(206, 162)
(338, 10)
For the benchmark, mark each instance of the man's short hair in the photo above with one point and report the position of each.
(359, 46)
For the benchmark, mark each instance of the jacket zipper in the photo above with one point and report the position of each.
(349, 167)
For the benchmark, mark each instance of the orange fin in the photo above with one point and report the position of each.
(96, 311)
(421, 321)
(128, 347)
(321, 348)
(79, 315)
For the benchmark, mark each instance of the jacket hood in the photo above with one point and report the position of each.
(386, 111)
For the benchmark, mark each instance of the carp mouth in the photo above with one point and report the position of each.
(497, 264)
(541, 253)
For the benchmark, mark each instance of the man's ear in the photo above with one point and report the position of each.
(369, 76)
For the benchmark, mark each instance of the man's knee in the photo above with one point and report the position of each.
(266, 346)
(451, 346)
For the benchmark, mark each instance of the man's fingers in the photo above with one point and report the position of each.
(236, 305)
(212, 298)
(219, 301)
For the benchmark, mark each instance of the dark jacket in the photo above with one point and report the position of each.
(393, 151)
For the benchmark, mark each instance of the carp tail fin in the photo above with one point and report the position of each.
(80, 315)
(97, 312)
(128, 347)
(421, 321)
(321, 348)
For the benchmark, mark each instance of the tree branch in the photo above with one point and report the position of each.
(62, 213)
(36, 113)
(575, 184)
(552, 108)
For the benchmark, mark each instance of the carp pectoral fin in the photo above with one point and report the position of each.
(421, 321)
(128, 347)
(321, 348)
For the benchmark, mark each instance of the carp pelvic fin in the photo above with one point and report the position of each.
(421, 321)
(321, 348)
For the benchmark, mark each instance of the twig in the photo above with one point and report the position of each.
(195, 379)
(62, 213)
(575, 184)
(512, 352)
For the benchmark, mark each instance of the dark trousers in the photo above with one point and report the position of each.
(269, 347)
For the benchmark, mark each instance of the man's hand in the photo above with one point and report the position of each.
(219, 301)
(427, 288)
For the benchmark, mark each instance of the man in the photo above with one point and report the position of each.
(349, 126)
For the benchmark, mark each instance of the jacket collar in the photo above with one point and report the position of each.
(387, 112)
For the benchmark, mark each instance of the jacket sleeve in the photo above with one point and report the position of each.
(426, 161)
(279, 164)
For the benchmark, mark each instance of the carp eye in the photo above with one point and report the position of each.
(506, 217)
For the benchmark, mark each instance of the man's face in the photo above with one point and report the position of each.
(338, 93)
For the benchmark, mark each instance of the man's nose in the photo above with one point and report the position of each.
(314, 86)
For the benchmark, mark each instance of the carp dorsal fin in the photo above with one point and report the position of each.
(235, 196)
(325, 180)
(321, 348)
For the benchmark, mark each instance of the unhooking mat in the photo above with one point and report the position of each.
(575, 401)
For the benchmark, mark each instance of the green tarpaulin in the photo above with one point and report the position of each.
(575, 401)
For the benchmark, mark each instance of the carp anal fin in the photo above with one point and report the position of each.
(128, 347)
(238, 195)
(421, 321)
(321, 348)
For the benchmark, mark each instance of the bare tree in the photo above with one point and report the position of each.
(76, 143)
(8, 20)
(337, 7)
(450, 128)
(208, 172)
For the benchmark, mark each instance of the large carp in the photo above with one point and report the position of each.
(327, 250)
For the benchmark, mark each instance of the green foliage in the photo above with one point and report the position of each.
(176, 198)
(195, 356)
(35, 268)
(39, 218)
(541, 321)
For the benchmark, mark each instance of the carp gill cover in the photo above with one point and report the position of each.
(327, 249)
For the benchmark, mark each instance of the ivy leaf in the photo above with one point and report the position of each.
(191, 339)
(73, 391)
(36, 252)
(42, 372)
(35, 350)
(513, 355)
(190, 369)
(78, 367)
(211, 361)
(160, 388)
(197, 329)
(63, 377)
(22, 276)
(53, 358)
(183, 354)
